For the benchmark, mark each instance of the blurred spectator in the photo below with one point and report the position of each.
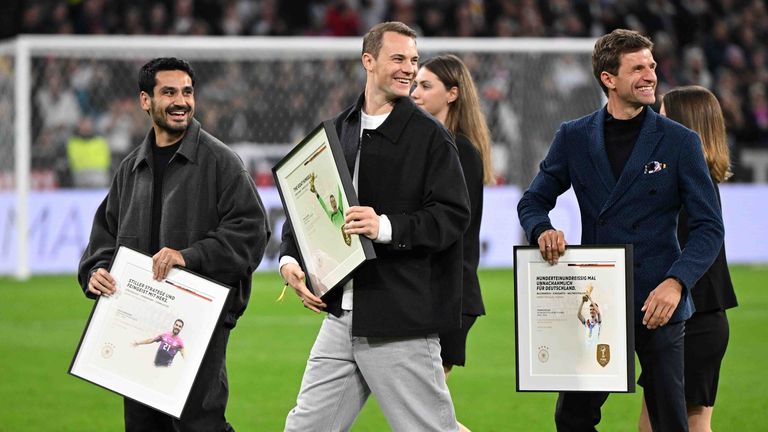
(89, 157)
(717, 44)
(267, 21)
(57, 102)
(341, 20)
(33, 19)
(183, 18)
(727, 93)
(123, 127)
(695, 70)
(433, 21)
(372, 12)
(91, 16)
(132, 22)
(234, 16)
(760, 65)
(49, 159)
(669, 70)
(758, 115)
(158, 20)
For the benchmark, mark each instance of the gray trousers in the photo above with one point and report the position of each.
(405, 375)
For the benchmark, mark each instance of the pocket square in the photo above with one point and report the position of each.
(653, 167)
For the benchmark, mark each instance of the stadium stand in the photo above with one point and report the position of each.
(719, 44)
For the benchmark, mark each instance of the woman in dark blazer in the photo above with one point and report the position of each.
(444, 88)
(706, 332)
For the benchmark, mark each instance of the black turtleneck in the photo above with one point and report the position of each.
(620, 137)
(161, 156)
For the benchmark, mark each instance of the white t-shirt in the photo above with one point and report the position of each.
(367, 122)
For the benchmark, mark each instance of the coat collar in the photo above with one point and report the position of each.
(647, 141)
(395, 123)
(188, 148)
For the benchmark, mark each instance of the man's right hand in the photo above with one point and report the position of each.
(101, 283)
(552, 245)
(294, 277)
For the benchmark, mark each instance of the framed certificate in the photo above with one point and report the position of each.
(146, 341)
(574, 321)
(316, 190)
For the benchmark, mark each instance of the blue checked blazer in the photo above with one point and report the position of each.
(639, 208)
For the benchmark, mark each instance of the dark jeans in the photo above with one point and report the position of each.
(661, 357)
(204, 411)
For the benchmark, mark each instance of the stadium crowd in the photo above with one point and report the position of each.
(718, 44)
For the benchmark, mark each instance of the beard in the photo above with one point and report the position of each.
(160, 119)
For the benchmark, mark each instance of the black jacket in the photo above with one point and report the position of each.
(410, 171)
(714, 291)
(472, 166)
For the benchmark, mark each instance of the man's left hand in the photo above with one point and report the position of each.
(163, 262)
(661, 303)
(362, 221)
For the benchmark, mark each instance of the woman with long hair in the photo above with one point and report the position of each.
(445, 89)
(706, 332)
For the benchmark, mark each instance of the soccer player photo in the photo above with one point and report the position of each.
(170, 344)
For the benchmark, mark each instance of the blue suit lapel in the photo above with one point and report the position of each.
(646, 143)
(597, 152)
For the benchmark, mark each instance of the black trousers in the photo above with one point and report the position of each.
(660, 353)
(207, 401)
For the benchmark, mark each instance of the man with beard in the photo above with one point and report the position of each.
(170, 344)
(380, 335)
(185, 198)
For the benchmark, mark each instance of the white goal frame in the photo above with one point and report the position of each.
(25, 47)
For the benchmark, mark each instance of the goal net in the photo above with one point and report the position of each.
(259, 95)
(262, 95)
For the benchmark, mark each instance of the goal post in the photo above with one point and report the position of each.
(260, 95)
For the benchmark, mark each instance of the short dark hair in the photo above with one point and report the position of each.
(179, 319)
(372, 39)
(148, 72)
(608, 50)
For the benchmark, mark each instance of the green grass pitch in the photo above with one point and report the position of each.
(41, 322)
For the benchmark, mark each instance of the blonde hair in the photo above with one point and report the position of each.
(464, 114)
(697, 108)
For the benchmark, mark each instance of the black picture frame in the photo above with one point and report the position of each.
(107, 354)
(556, 346)
(328, 256)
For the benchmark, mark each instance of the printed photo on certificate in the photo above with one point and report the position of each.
(316, 190)
(146, 341)
(574, 320)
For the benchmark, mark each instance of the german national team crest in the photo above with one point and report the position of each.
(107, 350)
(603, 354)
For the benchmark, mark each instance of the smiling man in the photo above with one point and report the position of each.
(170, 344)
(605, 156)
(185, 198)
(380, 335)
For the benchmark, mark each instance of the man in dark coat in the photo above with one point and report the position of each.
(380, 335)
(185, 198)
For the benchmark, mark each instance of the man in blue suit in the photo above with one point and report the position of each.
(632, 170)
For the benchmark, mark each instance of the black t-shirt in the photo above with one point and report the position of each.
(161, 156)
(620, 138)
